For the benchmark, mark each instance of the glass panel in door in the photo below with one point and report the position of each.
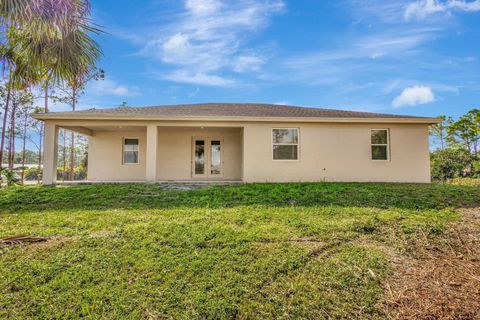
(199, 157)
(215, 157)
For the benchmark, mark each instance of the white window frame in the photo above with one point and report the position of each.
(286, 144)
(123, 152)
(380, 144)
(208, 148)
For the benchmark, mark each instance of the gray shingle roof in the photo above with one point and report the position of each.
(241, 110)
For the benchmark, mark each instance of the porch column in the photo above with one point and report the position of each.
(50, 153)
(151, 165)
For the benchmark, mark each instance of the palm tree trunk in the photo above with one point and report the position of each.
(42, 132)
(25, 119)
(72, 142)
(10, 139)
(40, 138)
(64, 172)
(11, 147)
(11, 156)
(46, 97)
(72, 156)
(4, 127)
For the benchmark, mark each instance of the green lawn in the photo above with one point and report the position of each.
(260, 251)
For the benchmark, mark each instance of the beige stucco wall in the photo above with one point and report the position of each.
(105, 157)
(175, 151)
(338, 152)
(328, 152)
(174, 154)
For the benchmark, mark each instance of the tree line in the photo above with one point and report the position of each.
(47, 53)
(458, 147)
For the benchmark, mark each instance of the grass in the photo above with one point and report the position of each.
(284, 251)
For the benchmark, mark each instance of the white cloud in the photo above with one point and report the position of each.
(444, 87)
(203, 7)
(111, 87)
(396, 10)
(464, 5)
(209, 36)
(384, 11)
(421, 9)
(176, 49)
(390, 42)
(351, 55)
(377, 55)
(391, 86)
(247, 63)
(199, 78)
(414, 96)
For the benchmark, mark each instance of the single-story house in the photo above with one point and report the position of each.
(244, 142)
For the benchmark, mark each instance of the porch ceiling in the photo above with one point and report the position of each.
(116, 128)
(79, 129)
(90, 130)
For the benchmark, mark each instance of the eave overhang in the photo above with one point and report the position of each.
(136, 117)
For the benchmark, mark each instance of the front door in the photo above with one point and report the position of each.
(207, 159)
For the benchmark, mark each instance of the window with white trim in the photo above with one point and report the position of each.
(130, 151)
(285, 143)
(380, 148)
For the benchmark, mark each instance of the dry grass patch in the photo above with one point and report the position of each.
(440, 279)
(21, 239)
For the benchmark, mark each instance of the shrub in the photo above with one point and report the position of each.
(8, 176)
(450, 163)
(33, 173)
(476, 169)
(80, 173)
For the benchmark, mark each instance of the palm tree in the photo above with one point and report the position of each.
(45, 41)
(4, 123)
(53, 34)
(13, 63)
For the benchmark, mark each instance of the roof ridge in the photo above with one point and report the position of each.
(311, 108)
(231, 110)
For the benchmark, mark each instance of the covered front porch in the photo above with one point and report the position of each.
(153, 152)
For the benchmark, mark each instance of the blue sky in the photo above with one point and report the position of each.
(403, 56)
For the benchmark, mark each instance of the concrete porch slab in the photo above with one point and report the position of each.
(167, 185)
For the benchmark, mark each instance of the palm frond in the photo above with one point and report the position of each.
(48, 37)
